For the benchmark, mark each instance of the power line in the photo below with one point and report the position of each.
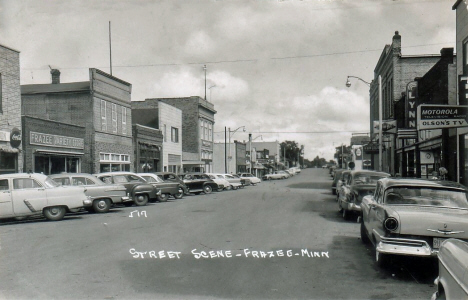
(243, 60)
(303, 132)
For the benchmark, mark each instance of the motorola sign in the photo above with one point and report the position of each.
(15, 138)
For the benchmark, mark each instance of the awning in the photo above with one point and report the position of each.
(9, 150)
(259, 166)
(193, 162)
(58, 152)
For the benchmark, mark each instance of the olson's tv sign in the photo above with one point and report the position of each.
(442, 116)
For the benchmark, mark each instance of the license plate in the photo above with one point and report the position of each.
(436, 242)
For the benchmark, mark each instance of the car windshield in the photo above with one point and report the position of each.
(427, 197)
(367, 179)
(49, 182)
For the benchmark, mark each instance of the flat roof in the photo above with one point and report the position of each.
(30, 89)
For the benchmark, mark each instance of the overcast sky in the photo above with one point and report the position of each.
(276, 67)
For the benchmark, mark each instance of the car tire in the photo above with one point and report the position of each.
(333, 191)
(101, 205)
(179, 195)
(364, 238)
(141, 199)
(207, 189)
(234, 187)
(163, 197)
(346, 214)
(54, 213)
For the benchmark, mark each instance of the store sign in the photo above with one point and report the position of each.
(442, 116)
(51, 140)
(411, 104)
(4, 136)
(15, 138)
(388, 126)
(427, 157)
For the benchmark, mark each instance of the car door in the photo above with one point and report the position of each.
(28, 195)
(6, 203)
(376, 212)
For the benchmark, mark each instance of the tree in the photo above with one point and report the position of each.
(290, 151)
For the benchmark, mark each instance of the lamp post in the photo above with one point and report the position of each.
(231, 133)
(210, 90)
(348, 84)
(250, 148)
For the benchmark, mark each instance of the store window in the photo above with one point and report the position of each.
(8, 162)
(56, 164)
(113, 162)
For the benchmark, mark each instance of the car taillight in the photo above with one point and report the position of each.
(391, 224)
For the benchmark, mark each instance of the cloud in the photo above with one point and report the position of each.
(199, 43)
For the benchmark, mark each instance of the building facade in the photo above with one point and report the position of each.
(168, 119)
(197, 132)
(11, 138)
(148, 145)
(396, 72)
(101, 105)
(461, 9)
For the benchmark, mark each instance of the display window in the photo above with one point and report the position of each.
(8, 162)
(48, 164)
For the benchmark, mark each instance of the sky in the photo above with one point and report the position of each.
(276, 67)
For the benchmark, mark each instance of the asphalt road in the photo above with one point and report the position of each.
(282, 239)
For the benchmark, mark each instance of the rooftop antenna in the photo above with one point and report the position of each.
(110, 48)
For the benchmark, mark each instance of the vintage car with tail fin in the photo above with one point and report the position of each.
(28, 194)
(413, 217)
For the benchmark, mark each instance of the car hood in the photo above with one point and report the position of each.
(431, 221)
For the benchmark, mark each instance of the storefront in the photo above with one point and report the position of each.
(147, 142)
(52, 147)
(10, 141)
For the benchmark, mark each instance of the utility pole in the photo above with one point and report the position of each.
(204, 68)
(110, 48)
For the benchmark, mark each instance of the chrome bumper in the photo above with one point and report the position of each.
(351, 206)
(88, 202)
(125, 199)
(405, 247)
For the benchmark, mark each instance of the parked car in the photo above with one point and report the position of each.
(200, 182)
(336, 177)
(138, 189)
(233, 181)
(244, 181)
(295, 170)
(353, 186)
(28, 194)
(167, 188)
(220, 181)
(290, 172)
(276, 175)
(103, 195)
(343, 177)
(253, 179)
(172, 177)
(413, 216)
(452, 282)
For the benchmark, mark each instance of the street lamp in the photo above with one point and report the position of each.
(250, 147)
(210, 90)
(348, 84)
(231, 133)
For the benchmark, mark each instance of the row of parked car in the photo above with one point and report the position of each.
(282, 174)
(410, 217)
(27, 194)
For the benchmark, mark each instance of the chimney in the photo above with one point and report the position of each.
(396, 43)
(447, 53)
(55, 76)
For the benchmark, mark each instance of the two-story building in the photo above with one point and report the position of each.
(197, 132)
(11, 145)
(166, 118)
(100, 106)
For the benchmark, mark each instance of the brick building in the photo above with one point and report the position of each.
(421, 156)
(101, 105)
(167, 119)
(11, 161)
(397, 71)
(197, 132)
(461, 9)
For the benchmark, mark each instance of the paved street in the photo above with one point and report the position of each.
(91, 256)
